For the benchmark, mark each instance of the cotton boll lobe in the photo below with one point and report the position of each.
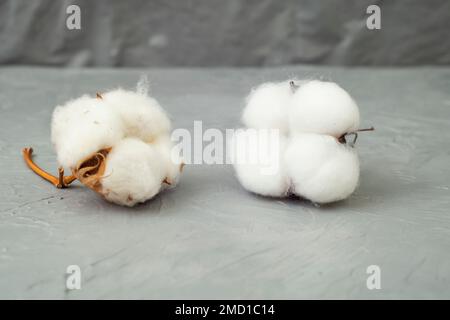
(267, 106)
(323, 107)
(320, 168)
(142, 115)
(82, 127)
(134, 172)
(258, 161)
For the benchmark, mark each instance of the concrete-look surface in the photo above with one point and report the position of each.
(209, 238)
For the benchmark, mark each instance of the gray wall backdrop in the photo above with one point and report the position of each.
(224, 33)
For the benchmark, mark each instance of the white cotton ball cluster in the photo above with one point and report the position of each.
(309, 120)
(118, 144)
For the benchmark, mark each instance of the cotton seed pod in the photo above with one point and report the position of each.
(116, 144)
(316, 120)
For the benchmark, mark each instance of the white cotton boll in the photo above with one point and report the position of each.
(134, 172)
(320, 168)
(257, 159)
(267, 106)
(83, 126)
(323, 107)
(172, 159)
(142, 115)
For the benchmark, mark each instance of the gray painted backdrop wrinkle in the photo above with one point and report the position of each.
(224, 33)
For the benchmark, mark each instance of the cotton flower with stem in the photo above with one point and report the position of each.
(116, 143)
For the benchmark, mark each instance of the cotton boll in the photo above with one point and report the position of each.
(323, 107)
(83, 126)
(267, 106)
(257, 160)
(134, 172)
(320, 168)
(117, 144)
(142, 115)
(172, 159)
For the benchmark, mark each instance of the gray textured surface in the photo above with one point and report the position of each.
(228, 33)
(209, 238)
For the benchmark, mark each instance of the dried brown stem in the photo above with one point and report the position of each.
(294, 86)
(342, 139)
(364, 129)
(60, 182)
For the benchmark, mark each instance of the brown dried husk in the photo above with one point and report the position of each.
(90, 170)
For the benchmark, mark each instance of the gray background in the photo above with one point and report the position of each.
(226, 33)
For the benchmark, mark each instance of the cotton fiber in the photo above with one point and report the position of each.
(82, 127)
(315, 161)
(267, 107)
(323, 107)
(258, 161)
(134, 172)
(142, 116)
(321, 169)
(118, 144)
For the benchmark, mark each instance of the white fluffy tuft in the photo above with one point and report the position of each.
(321, 169)
(257, 160)
(267, 106)
(134, 172)
(83, 126)
(323, 107)
(142, 115)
